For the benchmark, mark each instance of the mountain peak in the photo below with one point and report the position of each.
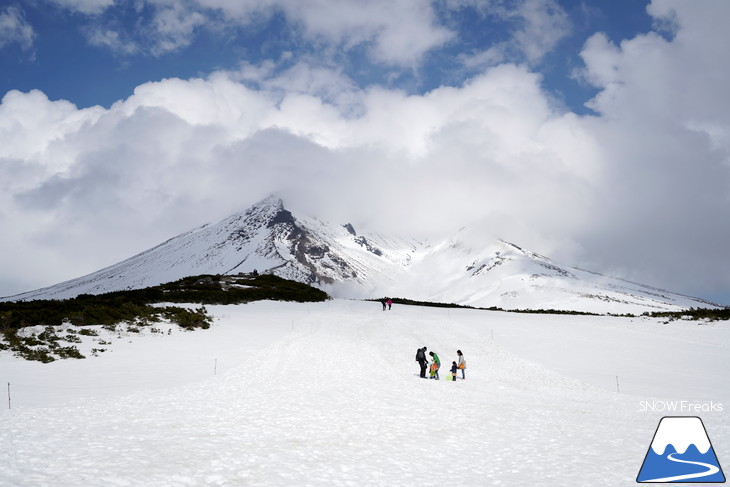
(270, 202)
(468, 268)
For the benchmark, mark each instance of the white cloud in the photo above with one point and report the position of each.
(15, 29)
(111, 39)
(535, 28)
(180, 153)
(544, 24)
(90, 7)
(311, 77)
(173, 27)
(399, 32)
(664, 132)
(30, 125)
(169, 27)
(395, 32)
(483, 59)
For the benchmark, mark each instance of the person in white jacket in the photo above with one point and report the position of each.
(461, 364)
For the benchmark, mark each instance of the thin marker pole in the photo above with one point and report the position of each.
(617, 388)
(215, 367)
(8, 395)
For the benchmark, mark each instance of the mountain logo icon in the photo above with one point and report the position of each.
(681, 452)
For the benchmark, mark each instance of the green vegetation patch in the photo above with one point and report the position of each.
(694, 314)
(135, 309)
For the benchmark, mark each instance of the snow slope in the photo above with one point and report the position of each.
(465, 271)
(328, 394)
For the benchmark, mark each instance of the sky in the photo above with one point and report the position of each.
(596, 133)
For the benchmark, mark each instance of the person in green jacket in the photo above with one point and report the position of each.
(436, 363)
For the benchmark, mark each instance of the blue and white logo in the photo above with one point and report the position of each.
(681, 452)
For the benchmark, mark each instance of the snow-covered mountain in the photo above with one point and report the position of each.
(464, 270)
(268, 238)
(504, 275)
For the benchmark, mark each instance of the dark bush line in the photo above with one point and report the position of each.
(413, 302)
(114, 307)
(136, 308)
(694, 314)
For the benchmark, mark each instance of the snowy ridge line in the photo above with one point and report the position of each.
(346, 263)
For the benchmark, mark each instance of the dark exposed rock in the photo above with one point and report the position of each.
(350, 229)
(363, 242)
(282, 216)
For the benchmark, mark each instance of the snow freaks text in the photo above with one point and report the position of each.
(684, 407)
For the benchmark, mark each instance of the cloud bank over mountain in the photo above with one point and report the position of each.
(637, 187)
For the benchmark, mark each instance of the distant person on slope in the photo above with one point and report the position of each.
(454, 368)
(390, 303)
(422, 361)
(382, 301)
(435, 366)
(462, 364)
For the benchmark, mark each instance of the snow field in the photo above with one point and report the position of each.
(328, 394)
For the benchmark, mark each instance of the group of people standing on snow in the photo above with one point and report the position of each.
(435, 364)
(386, 302)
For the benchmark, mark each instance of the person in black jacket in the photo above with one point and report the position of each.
(422, 360)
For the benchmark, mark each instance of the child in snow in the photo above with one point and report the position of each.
(435, 366)
(462, 364)
(454, 368)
